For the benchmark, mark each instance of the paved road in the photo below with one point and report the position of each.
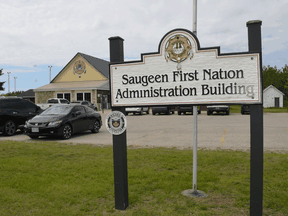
(214, 132)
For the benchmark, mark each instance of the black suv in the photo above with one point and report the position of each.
(14, 112)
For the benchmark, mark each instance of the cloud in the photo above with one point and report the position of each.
(52, 32)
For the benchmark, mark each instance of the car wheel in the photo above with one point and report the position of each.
(96, 127)
(141, 113)
(66, 132)
(208, 113)
(147, 111)
(9, 128)
(153, 113)
(242, 112)
(179, 113)
(227, 112)
(173, 112)
(33, 136)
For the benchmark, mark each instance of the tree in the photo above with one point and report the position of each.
(1, 83)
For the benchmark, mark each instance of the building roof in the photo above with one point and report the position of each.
(28, 94)
(271, 86)
(99, 64)
(79, 85)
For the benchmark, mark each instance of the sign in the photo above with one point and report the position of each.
(183, 73)
(116, 122)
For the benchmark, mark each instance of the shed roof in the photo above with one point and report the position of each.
(271, 86)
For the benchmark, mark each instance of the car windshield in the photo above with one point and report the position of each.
(57, 110)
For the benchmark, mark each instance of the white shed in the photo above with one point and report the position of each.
(272, 97)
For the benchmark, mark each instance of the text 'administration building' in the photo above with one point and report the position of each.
(83, 78)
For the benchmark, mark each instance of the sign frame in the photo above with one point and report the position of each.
(198, 49)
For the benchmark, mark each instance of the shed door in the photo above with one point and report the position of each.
(277, 102)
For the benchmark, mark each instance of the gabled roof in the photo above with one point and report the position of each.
(271, 86)
(99, 64)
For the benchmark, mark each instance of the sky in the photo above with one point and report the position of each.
(36, 34)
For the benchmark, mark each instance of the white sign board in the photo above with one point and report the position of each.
(183, 73)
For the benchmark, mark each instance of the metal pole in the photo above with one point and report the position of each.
(195, 113)
(8, 81)
(50, 73)
(15, 84)
(195, 17)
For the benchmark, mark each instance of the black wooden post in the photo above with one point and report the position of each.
(256, 129)
(119, 141)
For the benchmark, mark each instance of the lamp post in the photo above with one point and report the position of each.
(15, 84)
(50, 73)
(8, 81)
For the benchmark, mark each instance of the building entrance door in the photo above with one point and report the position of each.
(277, 102)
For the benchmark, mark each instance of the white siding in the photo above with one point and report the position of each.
(269, 97)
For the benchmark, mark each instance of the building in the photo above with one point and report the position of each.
(83, 78)
(272, 97)
(28, 95)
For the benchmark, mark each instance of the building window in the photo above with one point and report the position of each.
(84, 96)
(59, 95)
(64, 95)
(87, 96)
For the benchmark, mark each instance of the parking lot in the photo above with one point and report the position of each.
(214, 132)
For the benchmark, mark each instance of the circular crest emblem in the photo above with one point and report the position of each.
(79, 68)
(116, 122)
(177, 49)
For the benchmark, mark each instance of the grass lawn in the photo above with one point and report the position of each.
(237, 109)
(50, 178)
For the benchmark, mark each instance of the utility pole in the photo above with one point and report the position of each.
(50, 73)
(8, 81)
(15, 84)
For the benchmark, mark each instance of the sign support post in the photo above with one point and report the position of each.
(256, 129)
(119, 141)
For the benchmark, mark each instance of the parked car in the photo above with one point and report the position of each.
(86, 103)
(14, 112)
(218, 108)
(163, 109)
(53, 101)
(187, 109)
(136, 110)
(63, 121)
(245, 109)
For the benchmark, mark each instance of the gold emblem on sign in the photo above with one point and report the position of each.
(177, 49)
(79, 68)
(115, 123)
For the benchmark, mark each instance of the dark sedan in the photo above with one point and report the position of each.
(63, 121)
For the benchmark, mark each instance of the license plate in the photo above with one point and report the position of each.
(35, 130)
